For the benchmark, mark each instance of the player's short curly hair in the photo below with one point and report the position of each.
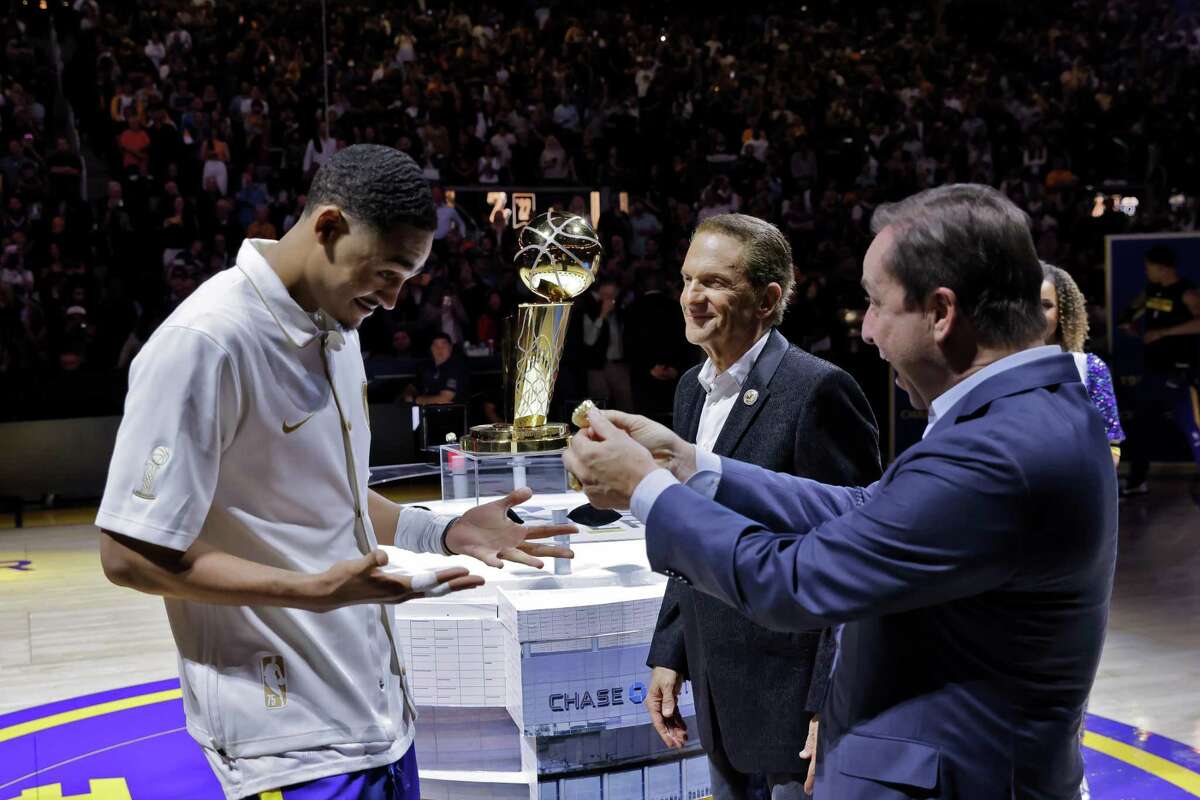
(379, 186)
(1072, 309)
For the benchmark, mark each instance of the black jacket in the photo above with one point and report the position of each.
(810, 419)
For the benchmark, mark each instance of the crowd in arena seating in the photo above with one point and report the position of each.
(199, 124)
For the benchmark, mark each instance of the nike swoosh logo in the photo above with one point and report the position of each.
(289, 428)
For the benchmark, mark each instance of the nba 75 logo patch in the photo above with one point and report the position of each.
(274, 680)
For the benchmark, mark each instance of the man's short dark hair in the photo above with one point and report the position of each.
(441, 335)
(1161, 254)
(766, 256)
(379, 186)
(973, 240)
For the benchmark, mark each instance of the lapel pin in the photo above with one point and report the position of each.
(750, 397)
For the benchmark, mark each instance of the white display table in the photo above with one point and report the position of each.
(532, 686)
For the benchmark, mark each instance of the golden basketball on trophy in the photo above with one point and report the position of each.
(557, 255)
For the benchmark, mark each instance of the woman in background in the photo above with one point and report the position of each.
(1067, 327)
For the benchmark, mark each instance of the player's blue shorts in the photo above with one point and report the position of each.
(395, 781)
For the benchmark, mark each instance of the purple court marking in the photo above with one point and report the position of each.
(1112, 779)
(166, 767)
(143, 745)
(147, 747)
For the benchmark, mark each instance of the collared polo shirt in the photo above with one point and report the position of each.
(246, 426)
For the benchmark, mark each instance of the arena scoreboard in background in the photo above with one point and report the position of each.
(482, 207)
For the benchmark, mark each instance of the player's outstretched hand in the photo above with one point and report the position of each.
(486, 533)
(366, 580)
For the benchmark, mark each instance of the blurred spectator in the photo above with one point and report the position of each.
(645, 226)
(449, 315)
(490, 165)
(448, 218)
(135, 145)
(320, 147)
(445, 380)
(18, 157)
(262, 227)
(557, 165)
(489, 327)
(75, 339)
(66, 169)
(214, 152)
(604, 348)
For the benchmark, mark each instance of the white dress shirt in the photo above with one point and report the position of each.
(722, 391)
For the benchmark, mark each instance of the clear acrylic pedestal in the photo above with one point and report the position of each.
(476, 476)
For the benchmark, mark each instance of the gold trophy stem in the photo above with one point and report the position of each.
(541, 333)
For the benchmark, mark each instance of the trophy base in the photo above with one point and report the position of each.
(505, 438)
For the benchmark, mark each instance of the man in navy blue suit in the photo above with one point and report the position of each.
(972, 582)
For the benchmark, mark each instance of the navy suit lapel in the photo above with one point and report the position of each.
(759, 379)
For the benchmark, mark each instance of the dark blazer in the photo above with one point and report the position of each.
(759, 685)
(974, 581)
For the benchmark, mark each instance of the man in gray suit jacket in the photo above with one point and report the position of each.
(758, 399)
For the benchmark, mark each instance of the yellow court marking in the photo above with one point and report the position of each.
(87, 712)
(99, 789)
(1157, 766)
(272, 795)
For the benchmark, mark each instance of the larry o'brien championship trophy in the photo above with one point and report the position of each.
(557, 255)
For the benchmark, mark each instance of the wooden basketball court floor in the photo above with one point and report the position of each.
(65, 632)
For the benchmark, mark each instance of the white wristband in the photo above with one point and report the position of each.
(420, 530)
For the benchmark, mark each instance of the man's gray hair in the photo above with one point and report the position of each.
(973, 240)
(766, 256)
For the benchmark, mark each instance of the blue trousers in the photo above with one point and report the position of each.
(395, 781)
